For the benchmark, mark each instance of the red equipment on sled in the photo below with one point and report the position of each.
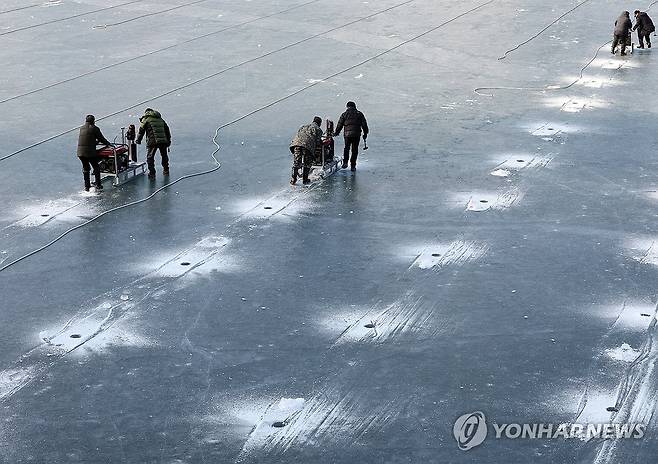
(119, 160)
(325, 164)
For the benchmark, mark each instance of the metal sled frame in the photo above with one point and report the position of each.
(326, 167)
(133, 169)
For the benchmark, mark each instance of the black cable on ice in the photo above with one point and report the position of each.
(543, 30)
(235, 121)
(159, 50)
(150, 14)
(205, 78)
(68, 18)
(20, 8)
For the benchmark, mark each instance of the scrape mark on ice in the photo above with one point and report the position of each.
(520, 162)
(329, 417)
(277, 416)
(203, 253)
(13, 379)
(623, 353)
(643, 250)
(77, 332)
(485, 201)
(441, 255)
(280, 207)
(575, 104)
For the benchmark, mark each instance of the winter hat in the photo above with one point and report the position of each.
(351, 104)
(90, 118)
(317, 120)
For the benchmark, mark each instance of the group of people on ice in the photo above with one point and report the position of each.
(158, 138)
(623, 27)
(309, 137)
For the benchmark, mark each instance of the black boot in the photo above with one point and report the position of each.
(305, 172)
(293, 178)
(87, 178)
(97, 178)
(344, 164)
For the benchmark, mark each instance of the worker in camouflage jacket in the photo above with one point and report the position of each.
(303, 148)
(158, 137)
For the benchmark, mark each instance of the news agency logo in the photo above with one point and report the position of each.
(471, 430)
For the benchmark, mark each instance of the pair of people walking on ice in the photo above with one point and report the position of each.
(352, 122)
(623, 27)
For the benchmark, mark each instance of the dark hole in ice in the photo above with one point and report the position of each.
(185, 263)
(369, 326)
(268, 207)
(279, 424)
(484, 201)
(550, 128)
(612, 409)
(76, 336)
(520, 161)
(645, 315)
(436, 255)
(45, 215)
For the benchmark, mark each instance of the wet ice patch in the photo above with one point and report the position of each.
(623, 353)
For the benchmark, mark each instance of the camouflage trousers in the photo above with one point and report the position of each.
(301, 157)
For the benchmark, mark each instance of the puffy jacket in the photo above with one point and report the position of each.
(644, 24)
(90, 136)
(623, 25)
(308, 137)
(156, 129)
(353, 121)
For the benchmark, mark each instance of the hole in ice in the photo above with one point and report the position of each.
(436, 255)
(369, 326)
(645, 315)
(268, 207)
(484, 201)
(185, 263)
(550, 129)
(279, 424)
(45, 215)
(612, 409)
(76, 336)
(520, 161)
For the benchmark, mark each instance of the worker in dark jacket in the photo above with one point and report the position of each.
(644, 27)
(303, 147)
(354, 122)
(623, 27)
(158, 137)
(90, 136)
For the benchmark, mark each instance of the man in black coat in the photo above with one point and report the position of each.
(354, 122)
(644, 27)
(623, 27)
(90, 136)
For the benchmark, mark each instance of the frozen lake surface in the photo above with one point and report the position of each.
(496, 251)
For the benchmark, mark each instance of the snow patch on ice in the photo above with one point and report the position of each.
(485, 201)
(280, 207)
(277, 416)
(201, 258)
(623, 353)
(500, 173)
(644, 250)
(41, 213)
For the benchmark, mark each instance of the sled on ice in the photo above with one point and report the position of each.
(119, 160)
(325, 163)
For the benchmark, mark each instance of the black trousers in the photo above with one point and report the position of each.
(642, 36)
(89, 163)
(150, 157)
(351, 143)
(619, 40)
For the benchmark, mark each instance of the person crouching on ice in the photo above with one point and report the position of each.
(303, 149)
(90, 136)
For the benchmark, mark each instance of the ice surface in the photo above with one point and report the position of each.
(489, 253)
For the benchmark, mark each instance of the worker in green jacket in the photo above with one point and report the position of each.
(158, 137)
